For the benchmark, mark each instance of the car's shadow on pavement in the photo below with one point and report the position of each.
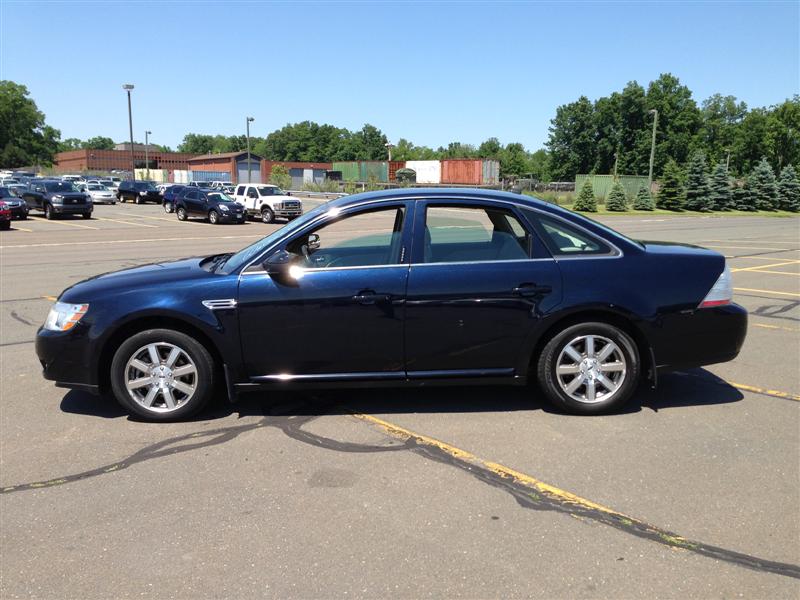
(697, 387)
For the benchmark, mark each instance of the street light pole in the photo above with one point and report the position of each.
(389, 147)
(653, 112)
(146, 160)
(128, 87)
(249, 174)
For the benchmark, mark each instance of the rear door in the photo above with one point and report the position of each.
(479, 283)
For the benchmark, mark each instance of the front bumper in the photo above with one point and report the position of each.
(18, 211)
(71, 209)
(285, 213)
(67, 357)
(701, 337)
(231, 217)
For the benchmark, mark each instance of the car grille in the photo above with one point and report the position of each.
(290, 205)
(74, 200)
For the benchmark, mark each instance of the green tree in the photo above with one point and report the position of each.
(197, 143)
(643, 200)
(789, 189)
(763, 186)
(98, 143)
(721, 118)
(670, 194)
(719, 189)
(25, 138)
(69, 144)
(616, 198)
(697, 192)
(280, 176)
(491, 148)
(572, 143)
(742, 198)
(586, 202)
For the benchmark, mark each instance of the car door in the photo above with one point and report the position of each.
(479, 284)
(34, 196)
(340, 315)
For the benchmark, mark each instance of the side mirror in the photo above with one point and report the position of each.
(278, 264)
(313, 242)
(288, 193)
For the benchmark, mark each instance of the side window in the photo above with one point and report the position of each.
(252, 193)
(240, 190)
(191, 195)
(370, 238)
(473, 233)
(563, 239)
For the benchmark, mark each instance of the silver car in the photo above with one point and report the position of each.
(100, 194)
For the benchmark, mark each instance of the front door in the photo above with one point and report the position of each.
(478, 285)
(338, 314)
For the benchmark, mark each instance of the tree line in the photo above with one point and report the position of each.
(590, 137)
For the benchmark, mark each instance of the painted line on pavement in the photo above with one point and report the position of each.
(530, 492)
(51, 298)
(765, 326)
(792, 260)
(140, 241)
(62, 222)
(126, 222)
(778, 273)
(759, 267)
(793, 294)
(765, 392)
(755, 248)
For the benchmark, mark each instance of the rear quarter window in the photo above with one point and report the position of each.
(564, 239)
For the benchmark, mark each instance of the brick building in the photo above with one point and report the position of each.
(107, 160)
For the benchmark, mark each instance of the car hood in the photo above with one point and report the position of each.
(147, 276)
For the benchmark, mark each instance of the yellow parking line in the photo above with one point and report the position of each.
(126, 222)
(777, 273)
(777, 264)
(755, 248)
(765, 326)
(18, 228)
(793, 294)
(175, 220)
(62, 222)
(751, 241)
(51, 298)
(758, 390)
(789, 260)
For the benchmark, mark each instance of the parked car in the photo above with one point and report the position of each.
(57, 198)
(5, 216)
(230, 190)
(17, 206)
(401, 288)
(170, 195)
(267, 202)
(221, 185)
(110, 184)
(100, 194)
(16, 189)
(208, 204)
(200, 184)
(71, 178)
(138, 192)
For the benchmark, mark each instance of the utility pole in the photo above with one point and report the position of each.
(128, 87)
(653, 112)
(249, 168)
(146, 159)
(728, 161)
(389, 147)
(616, 160)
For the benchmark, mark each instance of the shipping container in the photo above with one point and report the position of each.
(181, 176)
(377, 171)
(349, 170)
(462, 171)
(491, 172)
(212, 175)
(156, 175)
(602, 184)
(394, 165)
(428, 171)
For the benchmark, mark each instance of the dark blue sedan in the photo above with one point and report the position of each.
(401, 288)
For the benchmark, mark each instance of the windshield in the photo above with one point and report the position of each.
(60, 186)
(247, 254)
(4, 193)
(270, 191)
(219, 197)
(145, 186)
(96, 187)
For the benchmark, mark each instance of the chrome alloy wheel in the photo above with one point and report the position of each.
(160, 377)
(591, 369)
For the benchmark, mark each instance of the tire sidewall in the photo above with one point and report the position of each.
(267, 216)
(213, 217)
(181, 213)
(546, 368)
(196, 351)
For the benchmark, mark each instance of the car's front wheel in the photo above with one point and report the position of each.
(267, 216)
(162, 375)
(589, 368)
(213, 217)
(49, 213)
(180, 212)
(86, 215)
(168, 207)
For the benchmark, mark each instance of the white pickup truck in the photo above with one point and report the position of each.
(267, 202)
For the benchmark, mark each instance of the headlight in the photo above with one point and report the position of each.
(223, 208)
(58, 199)
(63, 316)
(142, 193)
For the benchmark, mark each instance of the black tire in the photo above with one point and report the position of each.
(180, 212)
(168, 207)
(23, 216)
(213, 217)
(138, 200)
(549, 380)
(203, 379)
(86, 215)
(267, 216)
(5, 225)
(49, 213)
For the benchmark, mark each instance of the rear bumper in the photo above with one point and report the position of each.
(701, 337)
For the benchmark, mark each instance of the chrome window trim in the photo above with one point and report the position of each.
(480, 262)
(323, 270)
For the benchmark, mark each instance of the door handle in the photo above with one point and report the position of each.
(531, 289)
(368, 297)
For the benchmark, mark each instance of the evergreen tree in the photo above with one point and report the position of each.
(789, 189)
(720, 193)
(616, 199)
(643, 201)
(670, 196)
(586, 202)
(763, 186)
(742, 198)
(697, 192)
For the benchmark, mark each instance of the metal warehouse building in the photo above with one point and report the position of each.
(228, 165)
(300, 172)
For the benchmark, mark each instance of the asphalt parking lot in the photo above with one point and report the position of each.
(693, 491)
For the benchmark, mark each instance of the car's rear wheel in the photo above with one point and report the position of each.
(267, 216)
(180, 212)
(589, 368)
(86, 215)
(168, 207)
(213, 217)
(5, 225)
(162, 375)
(49, 213)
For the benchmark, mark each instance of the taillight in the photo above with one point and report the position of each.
(721, 293)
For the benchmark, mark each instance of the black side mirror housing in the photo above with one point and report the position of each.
(278, 264)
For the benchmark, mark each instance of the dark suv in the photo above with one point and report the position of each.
(138, 192)
(57, 198)
(208, 204)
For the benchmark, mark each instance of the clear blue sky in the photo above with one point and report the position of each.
(429, 72)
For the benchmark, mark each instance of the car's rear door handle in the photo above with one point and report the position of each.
(368, 297)
(531, 289)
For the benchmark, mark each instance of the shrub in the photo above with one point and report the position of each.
(616, 199)
(643, 200)
(697, 192)
(280, 176)
(763, 186)
(720, 192)
(789, 189)
(586, 202)
(670, 196)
